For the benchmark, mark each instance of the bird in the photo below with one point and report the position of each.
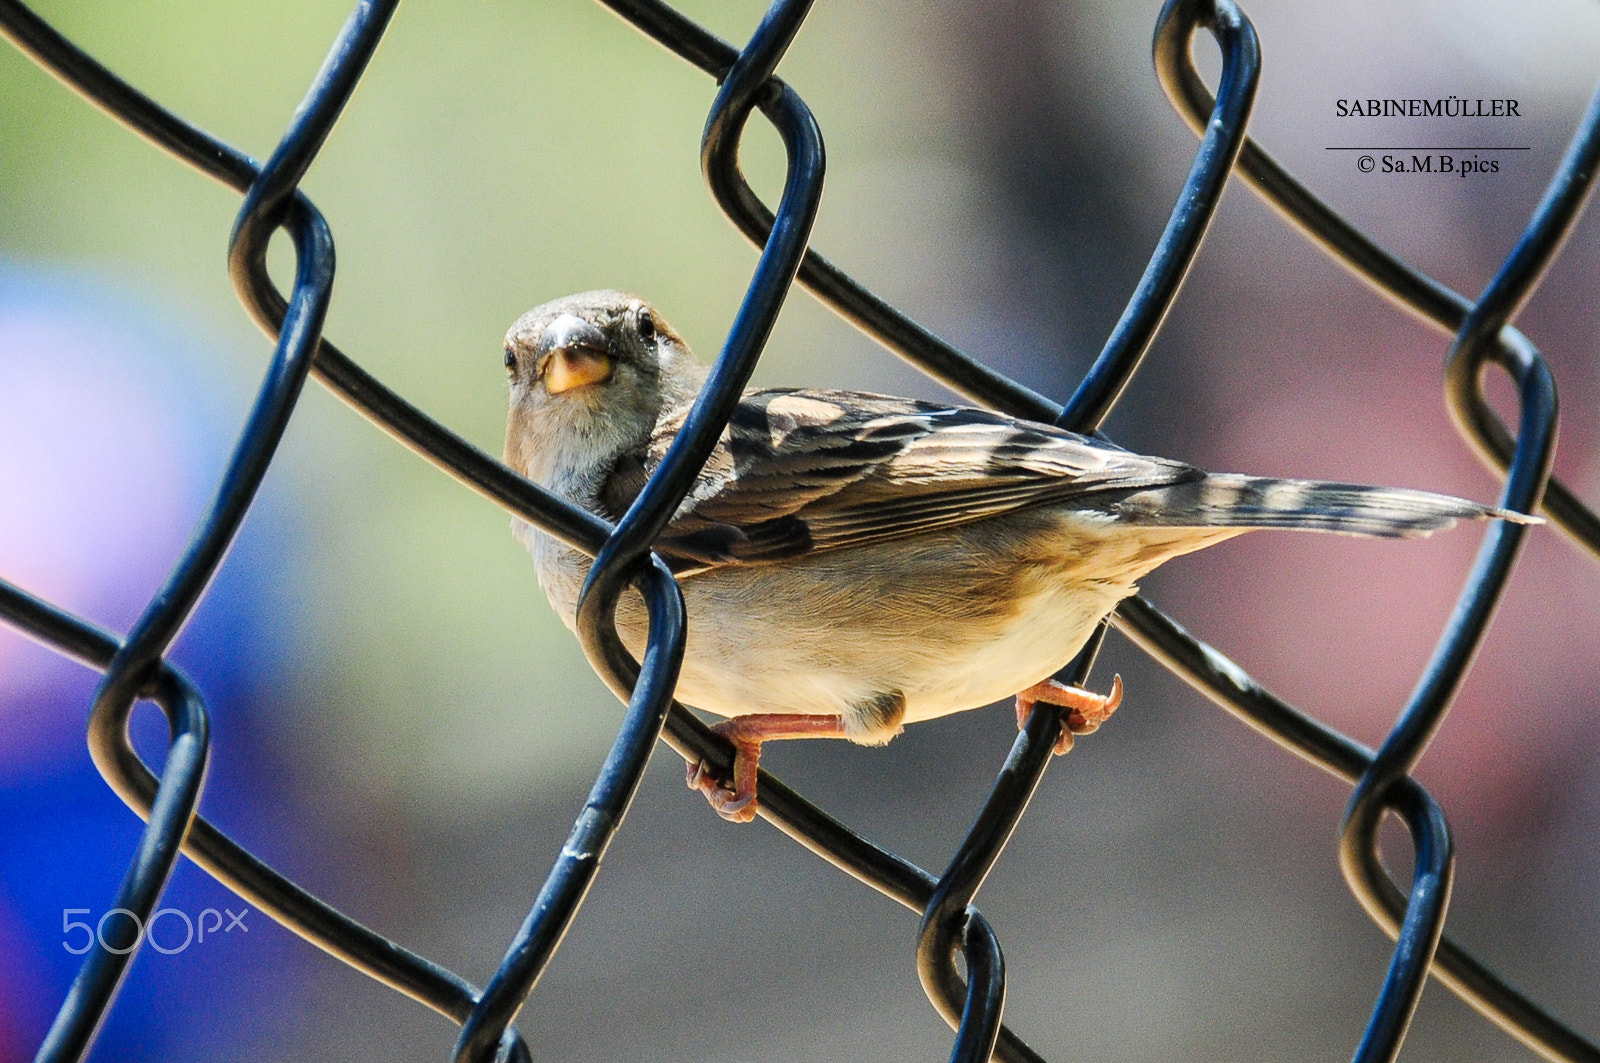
(850, 562)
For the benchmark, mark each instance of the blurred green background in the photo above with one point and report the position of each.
(1000, 171)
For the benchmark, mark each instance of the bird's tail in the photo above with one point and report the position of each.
(1228, 500)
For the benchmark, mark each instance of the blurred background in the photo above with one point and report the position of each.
(402, 725)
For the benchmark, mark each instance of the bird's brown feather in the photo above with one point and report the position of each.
(799, 471)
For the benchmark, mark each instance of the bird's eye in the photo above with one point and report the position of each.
(511, 360)
(647, 326)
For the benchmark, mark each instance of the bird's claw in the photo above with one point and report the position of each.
(728, 803)
(1086, 710)
(736, 803)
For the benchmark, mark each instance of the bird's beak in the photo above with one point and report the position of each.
(574, 367)
(572, 354)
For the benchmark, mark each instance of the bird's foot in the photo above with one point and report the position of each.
(737, 802)
(1086, 710)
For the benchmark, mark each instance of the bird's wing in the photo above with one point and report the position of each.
(802, 471)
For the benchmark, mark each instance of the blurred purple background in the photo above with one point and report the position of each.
(110, 440)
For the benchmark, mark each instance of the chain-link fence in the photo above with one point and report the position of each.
(958, 956)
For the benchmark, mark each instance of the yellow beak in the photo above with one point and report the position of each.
(575, 367)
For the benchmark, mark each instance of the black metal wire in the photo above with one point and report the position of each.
(1482, 336)
(951, 925)
(948, 918)
(268, 891)
(1413, 290)
(486, 1030)
(1231, 688)
(182, 779)
(1191, 215)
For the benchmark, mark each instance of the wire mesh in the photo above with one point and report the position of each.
(135, 667)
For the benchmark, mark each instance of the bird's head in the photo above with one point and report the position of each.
(589, 375)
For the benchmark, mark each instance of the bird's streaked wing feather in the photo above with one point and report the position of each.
(799, 471)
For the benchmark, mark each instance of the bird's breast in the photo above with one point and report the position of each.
(950, 620)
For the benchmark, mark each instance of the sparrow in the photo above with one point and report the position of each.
(852, 563)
